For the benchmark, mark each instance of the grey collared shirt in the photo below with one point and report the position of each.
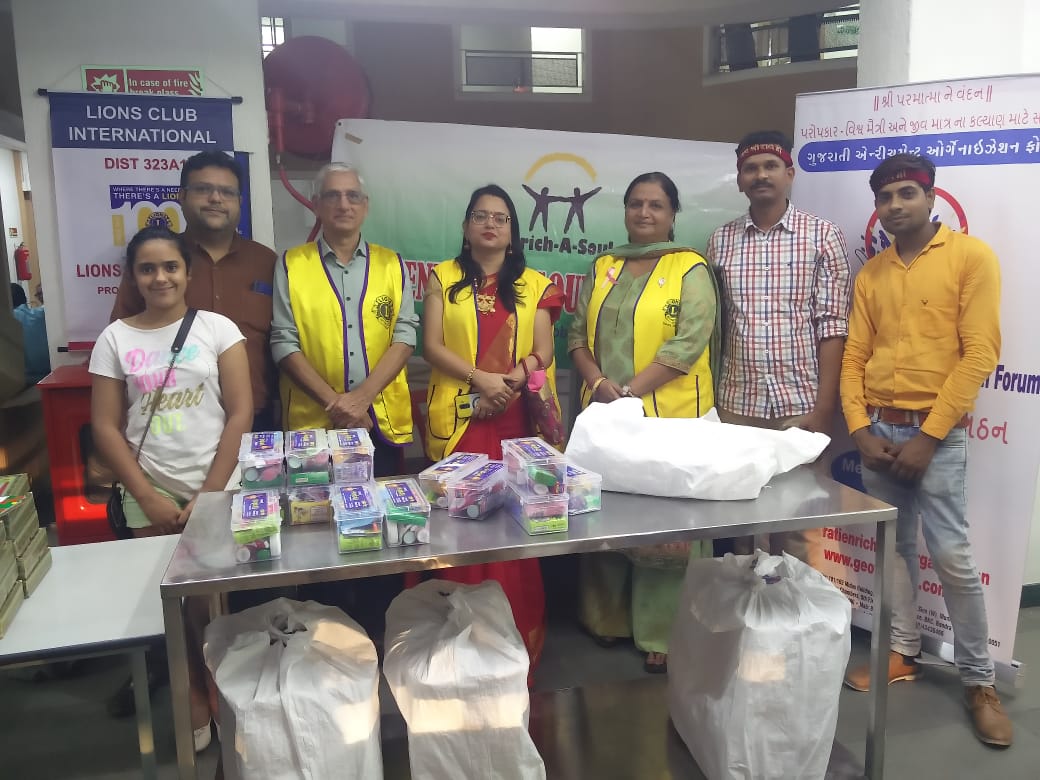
(349, 280)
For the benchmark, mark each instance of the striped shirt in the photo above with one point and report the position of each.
(784, 290)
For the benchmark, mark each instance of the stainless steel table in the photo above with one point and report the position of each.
(97, 599)
(203, 563)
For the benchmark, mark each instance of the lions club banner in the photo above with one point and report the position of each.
(984, 137)
(567, 187)
(117, 161)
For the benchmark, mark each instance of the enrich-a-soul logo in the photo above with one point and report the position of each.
(556, 209)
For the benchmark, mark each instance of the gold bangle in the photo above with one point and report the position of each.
(597, 383)
(469, 376)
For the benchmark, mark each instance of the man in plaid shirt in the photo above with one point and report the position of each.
(785, 281)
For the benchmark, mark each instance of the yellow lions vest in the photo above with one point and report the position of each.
(460, 322)
(318, 311)
(654, 320)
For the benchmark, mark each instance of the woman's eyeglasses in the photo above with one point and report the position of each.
(482, 218)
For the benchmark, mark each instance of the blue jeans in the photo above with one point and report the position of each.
(938, 503)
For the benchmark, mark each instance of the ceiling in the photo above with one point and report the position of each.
(590, 14)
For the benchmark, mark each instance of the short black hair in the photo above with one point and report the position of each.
(18, 295)
(210, 159)
(154, 233)
(900, 162)
(765, 137)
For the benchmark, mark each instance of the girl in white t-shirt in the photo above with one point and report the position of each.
(204, 408)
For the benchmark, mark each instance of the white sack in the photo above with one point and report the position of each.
(755, 664)
(299, 688)
(684, 458)
(457, 667)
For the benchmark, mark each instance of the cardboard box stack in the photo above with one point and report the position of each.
(23, 547)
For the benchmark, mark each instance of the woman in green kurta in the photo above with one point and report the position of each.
(646, 326)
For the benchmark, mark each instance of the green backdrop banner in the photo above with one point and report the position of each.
(567, 188)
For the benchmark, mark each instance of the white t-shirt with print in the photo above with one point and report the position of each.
(187, 426)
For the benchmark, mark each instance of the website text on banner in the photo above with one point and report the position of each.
(984, 136)
(567, 187)
(117, 161)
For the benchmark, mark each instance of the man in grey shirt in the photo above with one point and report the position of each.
(344, 325)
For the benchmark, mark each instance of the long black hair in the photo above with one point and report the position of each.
(512, 268)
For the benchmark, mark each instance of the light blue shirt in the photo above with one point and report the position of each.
(349, 280)
(34, 336)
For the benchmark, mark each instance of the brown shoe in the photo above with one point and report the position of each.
(991, 723)
(900, 667)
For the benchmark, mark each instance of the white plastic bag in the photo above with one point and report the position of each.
(684, 458)
(755, 663)
(457, 667)
(299, 688)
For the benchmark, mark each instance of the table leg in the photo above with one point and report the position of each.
(879, 646)
(143, 705)
(180, 687)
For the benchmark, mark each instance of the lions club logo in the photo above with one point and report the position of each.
(383, 308)
(671, 311)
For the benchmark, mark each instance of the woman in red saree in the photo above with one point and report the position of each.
(487, 316)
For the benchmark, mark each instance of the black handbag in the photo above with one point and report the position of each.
(114, 506)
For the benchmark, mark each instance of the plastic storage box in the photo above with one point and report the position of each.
(260, 460)
(351, 456)
(537, 514)
(535, 466)
(310, 504)
(407, 512)
(256, 525)
(434, 480)
(585, 490)
(357, 518)
(478, 492)
(307, 457)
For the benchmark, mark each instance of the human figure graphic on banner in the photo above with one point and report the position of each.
(924, 335)
(785, 281)
(231, 275)
(578, 208)
(542, 201)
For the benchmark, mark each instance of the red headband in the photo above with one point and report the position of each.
(907, 174)
(774, 149)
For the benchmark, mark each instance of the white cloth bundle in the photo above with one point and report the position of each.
(684, 458)
(299, 688)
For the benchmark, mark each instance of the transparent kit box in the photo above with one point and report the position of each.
(256, 525)
(307, 457)
(478, 492)
(352, 451)
(357, 518)
(537, 514)
(535, 466)
(260, 460)
(434, 480)
(585, 490)
(407, 512)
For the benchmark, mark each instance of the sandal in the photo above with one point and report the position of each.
(661, 668)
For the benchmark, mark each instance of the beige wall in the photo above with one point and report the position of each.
(640, 83)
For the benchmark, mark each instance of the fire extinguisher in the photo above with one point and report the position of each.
(21, 262)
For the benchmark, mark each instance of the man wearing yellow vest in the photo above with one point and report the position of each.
(345, 325)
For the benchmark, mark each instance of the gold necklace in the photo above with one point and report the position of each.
(485, 302)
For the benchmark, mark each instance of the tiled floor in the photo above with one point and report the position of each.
(59, 728)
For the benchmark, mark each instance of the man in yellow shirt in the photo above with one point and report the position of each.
(924, 334)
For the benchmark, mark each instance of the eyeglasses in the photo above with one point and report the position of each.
(482, 217)
(207, 191)
(353, 197)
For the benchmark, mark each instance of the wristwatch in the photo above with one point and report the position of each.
(626, 391)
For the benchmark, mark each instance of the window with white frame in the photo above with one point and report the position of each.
(821, 36)
(272, 33)
(522, 59)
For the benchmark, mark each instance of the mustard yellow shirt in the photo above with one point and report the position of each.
(924, 335)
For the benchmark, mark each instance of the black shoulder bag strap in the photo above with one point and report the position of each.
(175, 350)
